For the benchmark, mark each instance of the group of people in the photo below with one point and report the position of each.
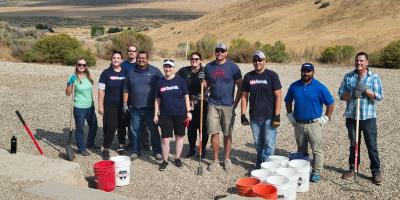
(135, 94)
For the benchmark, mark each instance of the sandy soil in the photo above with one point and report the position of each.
(37, 91)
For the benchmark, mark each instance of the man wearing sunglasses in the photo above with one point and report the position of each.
(309, 96)
(264, 88)
(221, 76)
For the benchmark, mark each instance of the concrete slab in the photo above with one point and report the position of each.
(60, 191)
(26, 167)
(237, 197)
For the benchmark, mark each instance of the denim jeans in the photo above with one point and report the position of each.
(80, 115)
(264, 139)
(145, 114)
(368, 127)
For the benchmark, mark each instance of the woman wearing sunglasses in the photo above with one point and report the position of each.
(193, 75)
(81, 85)
(171, 112)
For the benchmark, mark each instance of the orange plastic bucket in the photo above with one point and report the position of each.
(244, 185)
(105, 175)
(265, 191)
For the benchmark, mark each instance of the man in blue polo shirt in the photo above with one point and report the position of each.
(140, 84)
(221, 76)
(309, 96)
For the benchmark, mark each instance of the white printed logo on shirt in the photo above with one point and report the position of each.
(117, 78)
(253, 82)
(166, 88)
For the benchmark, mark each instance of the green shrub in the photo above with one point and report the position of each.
(338, 54)
(96, 31)
(324, 5)
(276, 53)
(122, 40)
(374, 59)
(390, 56)
(241, 50)
(206, 46)
(182, 47)
(115, 30)
(59, 48)
(317, 1)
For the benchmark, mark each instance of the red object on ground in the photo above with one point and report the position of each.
(105, 175)
(265, 191)
(29, 132)
(244, 186)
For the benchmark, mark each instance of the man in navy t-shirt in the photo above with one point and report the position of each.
(264, 88)
(140, 84)
(309, 96)
(221, 76)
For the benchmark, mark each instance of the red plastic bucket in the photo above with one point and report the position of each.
(265, 191)
(105, 175)
(244, 185)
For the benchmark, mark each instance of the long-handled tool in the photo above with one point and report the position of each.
(357, 132)
(68, 148)
(200, 167)
(29, 132)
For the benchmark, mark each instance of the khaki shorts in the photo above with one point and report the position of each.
(220, 118)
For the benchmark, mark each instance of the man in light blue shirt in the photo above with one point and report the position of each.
(362, 83)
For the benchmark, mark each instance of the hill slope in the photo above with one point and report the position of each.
(366, 24)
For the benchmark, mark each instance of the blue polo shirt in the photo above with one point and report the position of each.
(127, 65)
(221, 79)
(141, 85)
(309, 99)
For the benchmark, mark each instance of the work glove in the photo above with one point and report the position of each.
(125, 108)
(202, 75)
(360, 90)
(187, 122)
(291, 118)
(276, 121)
(244, 120)
(323, 120)
(71, 79)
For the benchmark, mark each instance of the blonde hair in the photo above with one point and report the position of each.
(86, 72)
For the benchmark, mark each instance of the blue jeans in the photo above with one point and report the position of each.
(264, 139)
(368, 127)
(137, 116)
(80, 115)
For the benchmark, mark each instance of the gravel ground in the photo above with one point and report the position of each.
(37, 91)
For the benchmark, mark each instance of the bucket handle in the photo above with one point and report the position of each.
(281, 196)
(299, 181)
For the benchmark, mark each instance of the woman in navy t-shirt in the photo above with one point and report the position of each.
(110, 101)
(171, 111)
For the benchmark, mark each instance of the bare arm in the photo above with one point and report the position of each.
(238, 96)
(329, 111)
(68, 90)
(125, 97)
(289, 107)
(243, 102)
(101, 102)
(278, 101)
(187, 102)
(156, 110)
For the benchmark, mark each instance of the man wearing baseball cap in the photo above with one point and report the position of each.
(309, 96)
(264, 88)
(221, 76)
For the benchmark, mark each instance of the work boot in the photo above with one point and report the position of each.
(227, 165)
(348, 175)
(213, 166)
(84, 153)
(377, 179)
(106, 154)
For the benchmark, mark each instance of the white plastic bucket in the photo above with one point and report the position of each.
(122, 170)
(303, 167)
(261, 174)
(282, 184)
(293, 175)
(271, 165)
(284, 160)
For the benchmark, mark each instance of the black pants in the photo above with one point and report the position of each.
(113, 120)
(126, 122)
(195, 125)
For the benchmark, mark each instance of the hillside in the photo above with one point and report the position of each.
(366, 24)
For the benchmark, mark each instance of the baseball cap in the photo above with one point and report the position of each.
(259, 54)
(169, 62)
(221, 46)
(307, 66)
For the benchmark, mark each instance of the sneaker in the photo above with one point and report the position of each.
(158, 156)
(122, 152)
(315, 177)
(93, 147)
(84, 153)
(348, 175)
(190, 154)
(377, 179)
(213, 166)
(178, 163)
(163, 165)
(146, 147)
(106, 154)
(227, 164)
(133, 156)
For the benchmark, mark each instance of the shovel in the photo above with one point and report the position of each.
(68, 148)
(199, 171)
(357, 132)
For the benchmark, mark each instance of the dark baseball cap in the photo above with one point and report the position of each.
(307, 66)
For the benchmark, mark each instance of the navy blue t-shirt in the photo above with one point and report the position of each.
(113, 82)
(221, 79)
(141, 85)
(261, 88)
(309, 99)
(172, 96)
(127, 65)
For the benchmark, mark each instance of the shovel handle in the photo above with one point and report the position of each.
(29, 132)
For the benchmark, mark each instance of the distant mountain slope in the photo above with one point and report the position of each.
(366, 24)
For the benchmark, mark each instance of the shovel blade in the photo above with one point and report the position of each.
(70, 153)
(199, 171)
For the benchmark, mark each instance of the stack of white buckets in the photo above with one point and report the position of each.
(122, 170)
(287, 176)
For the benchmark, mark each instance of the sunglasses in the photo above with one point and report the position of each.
(194, 58)
(81, 65)
(257, 60)
(132, 50)
(220, 50)
(166, 60)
